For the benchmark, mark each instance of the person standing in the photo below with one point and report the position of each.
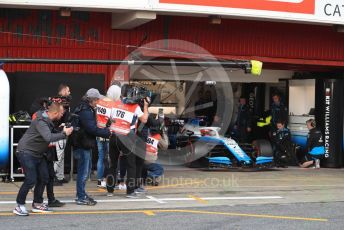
(84, 140)
(65, 95)
(243, 124)
(50, 156)
(30, 153)
(279, 112)
(126, 114)
(104, 109)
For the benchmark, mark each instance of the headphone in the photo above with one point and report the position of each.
(312, 122)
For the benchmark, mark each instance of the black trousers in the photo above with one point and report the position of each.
(122, 168)
(133, 149)
(134, 172)
(50, 184)
(115, 148)
(243, 134)
(122, 144)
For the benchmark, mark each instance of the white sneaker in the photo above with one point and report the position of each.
(101, 184)
(122, 187)
(20, 210)
(317, 163)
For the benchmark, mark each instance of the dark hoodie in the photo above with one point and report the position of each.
(85, 138)
(37, 138)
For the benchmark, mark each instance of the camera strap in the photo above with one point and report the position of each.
(141, 126)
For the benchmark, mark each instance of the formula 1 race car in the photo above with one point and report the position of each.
(202, 143)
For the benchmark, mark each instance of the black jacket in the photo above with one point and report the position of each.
(244, 118)
(281, 135)
(278, 113)
(281, 143)
(314, 139)
(85, 137)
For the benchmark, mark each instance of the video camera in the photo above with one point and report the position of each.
(73, 121)
(135, 95)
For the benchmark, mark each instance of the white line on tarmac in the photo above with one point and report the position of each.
(155, 199)
(162, 200)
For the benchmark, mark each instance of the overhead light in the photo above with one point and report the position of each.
(65, 12)
(215, 19)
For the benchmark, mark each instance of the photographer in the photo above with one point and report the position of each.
(84, 140)
(65, 97)
(50, 156)
(126, 114)
(30, 153)
(157, 139)
(104, 108)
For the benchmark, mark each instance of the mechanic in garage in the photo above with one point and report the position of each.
(315, 143)
(279, 112)
(243, 122)
(281, 144)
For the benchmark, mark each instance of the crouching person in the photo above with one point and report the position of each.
(157, 139)
(315, 146)
(30, 153)
(282, 145)
(84, 140)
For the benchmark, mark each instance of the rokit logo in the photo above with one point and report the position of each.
(292, 6)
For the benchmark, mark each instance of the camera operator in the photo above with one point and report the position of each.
(30, 153)
(84, 140)
(65, 97)
(104, 109)
(126, 114)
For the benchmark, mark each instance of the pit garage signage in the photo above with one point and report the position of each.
(319, 11)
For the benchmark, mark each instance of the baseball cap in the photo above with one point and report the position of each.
(94, 93)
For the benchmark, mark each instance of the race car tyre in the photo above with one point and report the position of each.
(263, 148)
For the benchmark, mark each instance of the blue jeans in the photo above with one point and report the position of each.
(36, 174)
(102, 164)
(84, 158)
(154, 170)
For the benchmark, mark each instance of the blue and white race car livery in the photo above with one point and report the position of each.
(226, 152)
